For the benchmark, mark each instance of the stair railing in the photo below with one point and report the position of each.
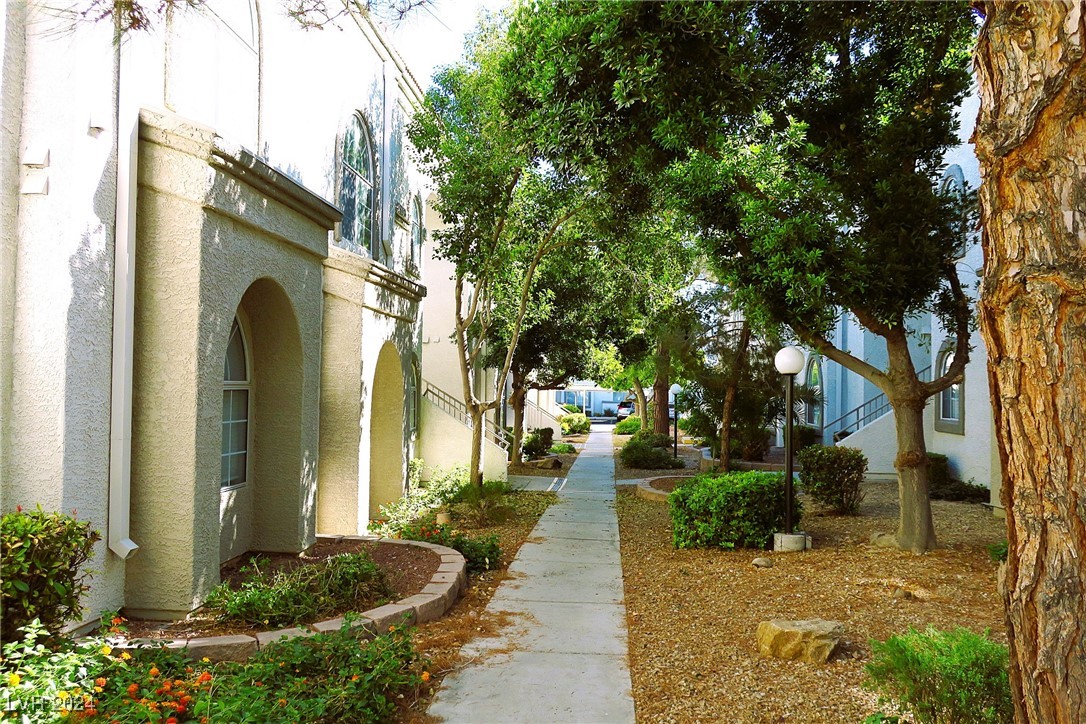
(858, 417)
(456, 409)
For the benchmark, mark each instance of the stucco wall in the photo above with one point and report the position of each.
(447, 443)
(209, 242)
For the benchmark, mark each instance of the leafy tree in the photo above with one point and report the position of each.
(1031, 142)
(807, 146)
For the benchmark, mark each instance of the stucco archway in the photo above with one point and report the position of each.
(263, 514)
(387, 463)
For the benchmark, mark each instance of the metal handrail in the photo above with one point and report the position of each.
(536, 416)
(869, 411)
(458, 410)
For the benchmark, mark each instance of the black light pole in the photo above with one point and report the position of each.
(789, 362)
(675, 390)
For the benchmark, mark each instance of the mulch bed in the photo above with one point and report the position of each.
(525, 469)
(668, 484)
(691, 456)
(692, 614)
(407, 568)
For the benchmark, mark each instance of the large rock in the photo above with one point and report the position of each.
(812, 640)
(546, 463)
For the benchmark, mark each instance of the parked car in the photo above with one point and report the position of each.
(625, 409)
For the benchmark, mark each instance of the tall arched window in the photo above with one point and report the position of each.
(357, 188)
(953, 185)
(813, 381)
(950, 416)
(416, 232)
(235, 410)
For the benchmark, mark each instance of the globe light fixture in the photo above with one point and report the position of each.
(789, 362)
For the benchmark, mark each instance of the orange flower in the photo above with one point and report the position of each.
(153, 672)
(100, 681)
(133, 689)
(354, 678)
(117, 620)
(282, 702)
(171, 720)
(425, 676)
(203, 678)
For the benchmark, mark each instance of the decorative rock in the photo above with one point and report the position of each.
(902, 594)
(545, 463)
(391, 614)
(762, 563)
(812, 641)
(428, 606)
(266, 637)
(884, 540)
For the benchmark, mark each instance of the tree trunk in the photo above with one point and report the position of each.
(516, 399)
(915, 531)
(642, 404)
(1031, 143)
(738, 366)
(478, 420)
(660, 389)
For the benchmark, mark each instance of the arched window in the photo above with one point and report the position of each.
(357, 188)
(813, 381)
(950, 415)
(953, 185)
(235, 410)
(413, 397)
(416, 232)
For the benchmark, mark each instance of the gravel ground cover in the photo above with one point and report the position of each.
(692, 614)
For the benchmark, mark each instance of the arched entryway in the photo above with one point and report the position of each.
(387, 461)
(260, 483)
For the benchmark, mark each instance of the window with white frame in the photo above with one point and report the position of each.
(953, 185)
(235, 410)
(813, 381)
(950, 415)
(413, 397)
(357, 193)
(416, 232)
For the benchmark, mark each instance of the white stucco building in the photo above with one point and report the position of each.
(210, 296)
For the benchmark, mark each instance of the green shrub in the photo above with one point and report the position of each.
(442, 489)
(943, 487)
(563, 448)
(833, 476)
(324, 678)
(942, 676)
(571, 408)
(640, 454)
(998, 552)
(537, 442)
(807, 436)
(750, 442)
(938, 471)
(575, 424)
(485, 504)
(653, 439)
(628, 426)
(304, 594)
(41, 569)
(729, 510)
(482, 554)
(608, 412)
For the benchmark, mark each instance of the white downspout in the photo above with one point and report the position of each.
(126, 125)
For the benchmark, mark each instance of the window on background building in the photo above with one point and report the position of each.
(357, 189)
(953, 184)
(950, 415)
(413, 399)
(416, 232)
(812, 414)
(235, 411)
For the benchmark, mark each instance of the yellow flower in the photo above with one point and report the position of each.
(97, 690)
(63, 695)
(106, 651)
(14, 679)
(206, 660)
(125, 655)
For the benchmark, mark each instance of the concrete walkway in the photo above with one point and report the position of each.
(563, 658)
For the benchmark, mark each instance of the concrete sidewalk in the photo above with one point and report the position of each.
(563, 659)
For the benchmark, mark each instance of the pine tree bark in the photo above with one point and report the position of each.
(1031, 143)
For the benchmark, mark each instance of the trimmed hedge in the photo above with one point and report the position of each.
(833, 476)
(575, 424)
(729, 510)
(943, 487)
(653, 439)
(628, 426)
(641, 454)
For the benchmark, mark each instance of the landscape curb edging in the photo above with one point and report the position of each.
(436, 598)
(645, 490)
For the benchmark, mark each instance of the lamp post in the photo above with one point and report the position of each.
(675, 389)
(789, 362)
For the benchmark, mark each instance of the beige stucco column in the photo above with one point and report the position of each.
(220, 235)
